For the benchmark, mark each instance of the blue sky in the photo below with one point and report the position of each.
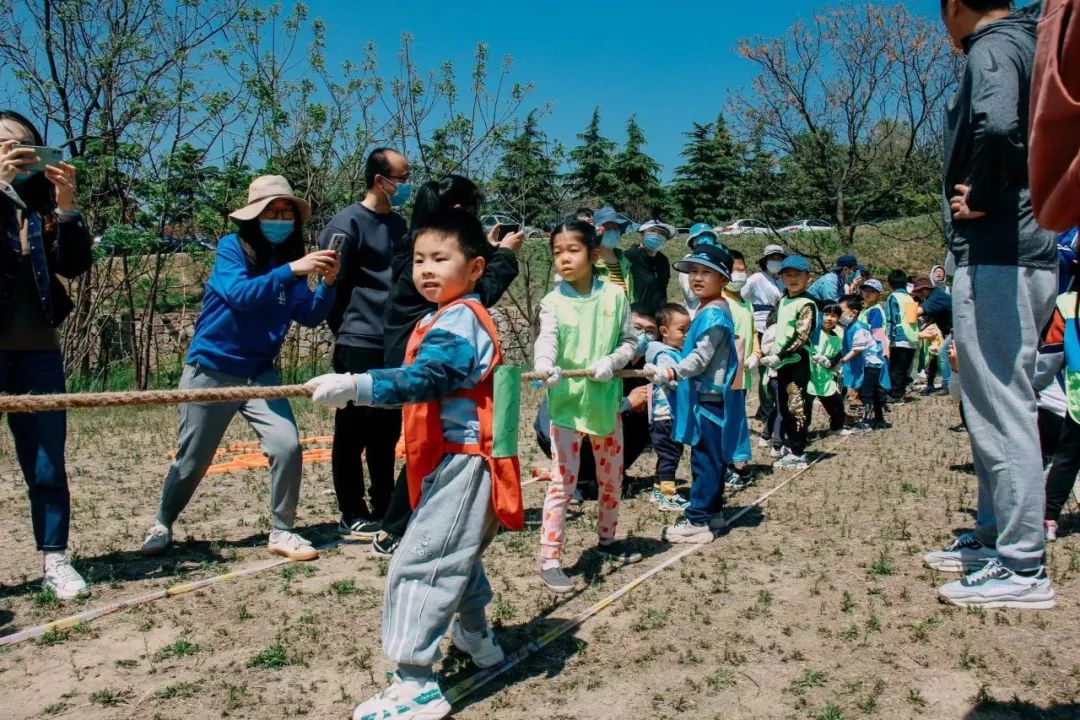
(671, 63)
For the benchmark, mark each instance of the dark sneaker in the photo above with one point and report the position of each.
(928, 391)
(964, 554)
(619, 551)
(735, 481)
(364, 529)
(995, 585)
(880, 425)
(557, 580)
(684, 531)
(385, 544)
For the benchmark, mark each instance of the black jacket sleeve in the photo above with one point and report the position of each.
(501, 269)
(72, 254)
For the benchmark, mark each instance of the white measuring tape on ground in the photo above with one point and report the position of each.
(482, 678)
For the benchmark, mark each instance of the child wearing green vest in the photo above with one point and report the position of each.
(796, 335)
(824, 366)
(585, 323)
(736, 424)
(902, 321)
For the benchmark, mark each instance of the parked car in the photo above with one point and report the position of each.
(745, 227)
(811, 225)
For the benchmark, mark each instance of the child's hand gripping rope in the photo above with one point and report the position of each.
(335, 390)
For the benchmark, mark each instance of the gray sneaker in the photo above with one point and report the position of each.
(557, 580)
(619, 551)
(158, 539)
(965, 554)
(684, 531)
(995, 585)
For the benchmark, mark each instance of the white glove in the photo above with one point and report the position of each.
(334, 390)
(752, 362)
(602, 369)
(770, 360)
(554, 375)
(822, 361)
(658, 375)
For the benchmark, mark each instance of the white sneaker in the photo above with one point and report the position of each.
(994, 586)
(843, 432)
(964, 554)
(63, 579)
(480, 646)
(763, 443)
(291, 545)
(779, 452)
(158, 539)
(684, 531)
(405, 700)
(791, 462)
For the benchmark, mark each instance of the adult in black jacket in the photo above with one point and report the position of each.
(650, 267)
(43, 236)
(407, 306)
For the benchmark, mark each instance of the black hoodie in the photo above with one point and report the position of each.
(986, 147)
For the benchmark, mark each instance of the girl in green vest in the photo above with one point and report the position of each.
(585, 323)
(823, 368)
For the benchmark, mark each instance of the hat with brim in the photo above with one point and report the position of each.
(264, 190)
(922, 283)
(795, 262)
(700, 231)
(668, 231)
(874, 285)
(772, 250)
(847, 261)
(708, 256)
(607, 214)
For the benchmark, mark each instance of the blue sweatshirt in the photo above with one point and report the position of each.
(245, 317)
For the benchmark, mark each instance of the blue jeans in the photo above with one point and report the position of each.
(708, 465)
(39, 442)
(943, 362)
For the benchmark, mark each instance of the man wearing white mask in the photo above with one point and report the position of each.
(650, 267)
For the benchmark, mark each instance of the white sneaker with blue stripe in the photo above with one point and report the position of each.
(995, 585)
(964, 554)
(405, 700)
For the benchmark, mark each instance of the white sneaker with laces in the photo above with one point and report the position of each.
(405, 700)
(158, 539)
(995, 585)
(779, 452)
(63, 579)
(480, 646)
(289, 544)
(791, 462)
(964, 554)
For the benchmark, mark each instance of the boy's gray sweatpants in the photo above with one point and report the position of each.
(202, 425)
(998, 315)
(436, 571)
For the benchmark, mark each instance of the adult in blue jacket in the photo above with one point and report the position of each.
(257, 288)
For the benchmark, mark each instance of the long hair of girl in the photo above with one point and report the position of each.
(36, 192)
(260, 253)
(451, 191)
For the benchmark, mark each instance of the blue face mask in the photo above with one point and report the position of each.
(276, 231)
(610, 238)
(643, 341)
(653, 243)
(401, 194)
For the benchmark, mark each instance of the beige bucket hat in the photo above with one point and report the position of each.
(263, 191)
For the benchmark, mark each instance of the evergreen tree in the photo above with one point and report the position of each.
(592, 176)
(638, 174)
(526, 179)
(708, 184)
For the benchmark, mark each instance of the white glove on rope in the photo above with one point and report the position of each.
(770, 360)
(334, 389)
(603, 370)
(822, 360)
(752, 362)
(658, 375)
(554, 375)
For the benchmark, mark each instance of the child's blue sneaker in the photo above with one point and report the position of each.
(405, 700)
(996, 586)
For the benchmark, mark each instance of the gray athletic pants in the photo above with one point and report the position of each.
(436, 571)
(998, 315)
(202, 425)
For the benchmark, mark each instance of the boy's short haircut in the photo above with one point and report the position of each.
(832, 309)
(583, 212)
(640, 310)
(898, 279)
(853, 302)
(736, 255)
(460, 224)
(582, 228)
(984, 5)
(668, 312)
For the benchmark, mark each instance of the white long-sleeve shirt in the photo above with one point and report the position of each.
(762, 291)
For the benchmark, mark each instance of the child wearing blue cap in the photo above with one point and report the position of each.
(708, 363)
(797, 328)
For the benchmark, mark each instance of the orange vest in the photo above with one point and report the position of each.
(425, 445)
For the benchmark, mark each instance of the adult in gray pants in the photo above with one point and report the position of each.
(1003, 294)
(257, 288)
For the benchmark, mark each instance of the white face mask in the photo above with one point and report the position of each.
(773, 266)
(738, 279)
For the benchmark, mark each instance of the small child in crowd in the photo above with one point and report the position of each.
(823, 368)
(585, 323)
(461, 494)
(707, 367)
(864, 363)
(902, 321)
(674, 323)
(736, 424)
(796, 337)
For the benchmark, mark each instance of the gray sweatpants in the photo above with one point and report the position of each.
(998, 315)
(202, 425)
(437, 570)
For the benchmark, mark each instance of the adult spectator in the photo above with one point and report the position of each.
(584, 214)
(833, 285)
(1055, 116)
(1003, 294)
(44, 236)
(613, 266)
(764, 289)
(650, 267)
(257, 289)
(368, 231)
(406, 307)
(699, 233)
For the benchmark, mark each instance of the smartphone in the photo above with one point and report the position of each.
(505, 230)
(336, 241)
(46, 156)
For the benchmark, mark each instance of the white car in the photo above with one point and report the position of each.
(745, 227)
(813, 225)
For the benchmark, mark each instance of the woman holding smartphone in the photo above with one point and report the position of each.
(44, 236)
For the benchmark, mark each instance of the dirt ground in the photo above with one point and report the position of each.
(815, 606)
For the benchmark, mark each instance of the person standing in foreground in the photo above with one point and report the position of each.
(1003, 295)
(367, 232)
(461, 492)
(44, 236)
(257, 288)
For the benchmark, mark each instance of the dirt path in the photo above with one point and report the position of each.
(815, 607)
